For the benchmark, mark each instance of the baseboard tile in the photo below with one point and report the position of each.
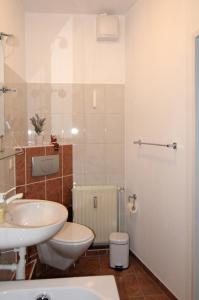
(166, 290)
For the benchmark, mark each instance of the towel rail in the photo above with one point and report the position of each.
(3, 34)
(173, 145)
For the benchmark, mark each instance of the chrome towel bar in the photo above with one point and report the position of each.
(173, 145)
(5, 90)
(3, 34)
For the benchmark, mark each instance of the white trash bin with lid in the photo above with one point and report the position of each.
(119, 250)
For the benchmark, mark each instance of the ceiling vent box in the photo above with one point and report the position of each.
(107, 27)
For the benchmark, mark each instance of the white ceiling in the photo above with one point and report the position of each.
(79, 6)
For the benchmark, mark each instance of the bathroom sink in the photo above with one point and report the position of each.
(30, 222)
(79, 288)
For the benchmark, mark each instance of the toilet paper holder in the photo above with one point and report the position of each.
(132, 198)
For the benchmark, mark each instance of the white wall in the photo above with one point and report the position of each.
(12, 20)
(63, 49)
(160, 108)
(193, 31)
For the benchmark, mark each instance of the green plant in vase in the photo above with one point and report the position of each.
(38, 124)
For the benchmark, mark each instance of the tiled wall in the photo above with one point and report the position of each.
(98, 151)
(56, 187)
(61, 77)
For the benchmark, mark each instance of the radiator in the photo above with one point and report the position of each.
(96, 207)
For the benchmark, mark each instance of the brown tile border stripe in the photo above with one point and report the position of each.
(28, 185)
(163, 287)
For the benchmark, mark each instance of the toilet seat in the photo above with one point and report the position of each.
(72, 233)
(66, 246)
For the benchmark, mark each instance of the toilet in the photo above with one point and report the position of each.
(66, 246)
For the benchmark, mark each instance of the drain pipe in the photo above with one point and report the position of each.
(20, 267)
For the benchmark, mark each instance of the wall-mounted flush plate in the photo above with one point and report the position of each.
(45, 165)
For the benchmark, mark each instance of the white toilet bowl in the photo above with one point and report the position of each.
(66, 246)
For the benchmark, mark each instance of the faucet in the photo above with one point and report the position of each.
(12, 198)
(15, 197)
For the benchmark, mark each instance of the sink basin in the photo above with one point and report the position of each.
(30, 222)
(79, 288)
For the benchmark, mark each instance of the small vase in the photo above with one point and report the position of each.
(39, 139)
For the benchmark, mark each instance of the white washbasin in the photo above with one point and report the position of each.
(82, 288)
(30, 222)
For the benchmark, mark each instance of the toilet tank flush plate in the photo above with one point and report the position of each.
(45, 165)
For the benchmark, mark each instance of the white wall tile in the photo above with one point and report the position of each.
(79, 159)
(61, 126)
(95, 158)
(115, 178)
(95, 128)
(78, 98)
(7, 175)
(98, 146)
(114, 128)
(114, 95)
(61, 99)
(114, 159)
(78, 123)
(95, 179)
(79, 179)
(96, 92)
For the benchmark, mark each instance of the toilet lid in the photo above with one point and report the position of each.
(73, 233)
(119, 238)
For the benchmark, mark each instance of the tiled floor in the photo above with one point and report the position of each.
(133, 283)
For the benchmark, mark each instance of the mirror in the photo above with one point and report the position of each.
(2, 123)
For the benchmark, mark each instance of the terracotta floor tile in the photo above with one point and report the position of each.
(149, 286)
(133, 283)
(105, 268)
(157, 297)
(137, 267)
(89, 266)
(128, 286)
(135, 298)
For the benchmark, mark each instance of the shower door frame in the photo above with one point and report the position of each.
(196, 204)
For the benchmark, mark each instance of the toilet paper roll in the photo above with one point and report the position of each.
(132, 209)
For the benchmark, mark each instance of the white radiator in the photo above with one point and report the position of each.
(96, 207)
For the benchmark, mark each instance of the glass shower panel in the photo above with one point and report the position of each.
(98, 114)
(2, 128)
(196, 269)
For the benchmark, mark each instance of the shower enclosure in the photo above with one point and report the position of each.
(77, 83)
